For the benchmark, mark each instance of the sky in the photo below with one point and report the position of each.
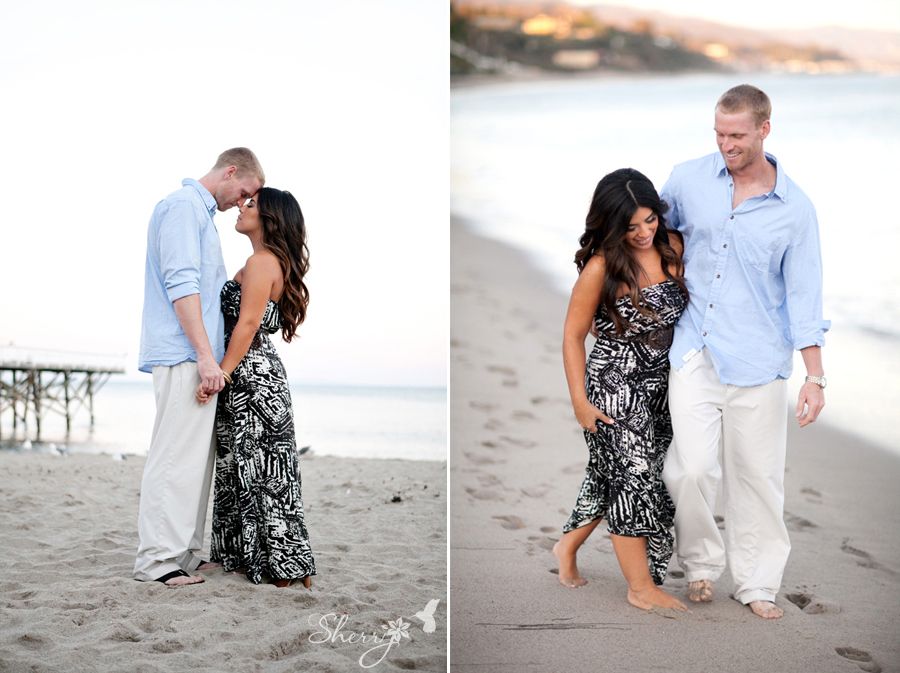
(108, 105)
(873, 14)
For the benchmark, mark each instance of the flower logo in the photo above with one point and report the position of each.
(396, 630)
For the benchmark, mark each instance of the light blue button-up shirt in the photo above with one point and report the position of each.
(184, 257)
(754, 273)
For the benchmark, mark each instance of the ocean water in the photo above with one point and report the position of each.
(358, 422)
(525, 158)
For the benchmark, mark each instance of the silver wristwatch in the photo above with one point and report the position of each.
(818, 380)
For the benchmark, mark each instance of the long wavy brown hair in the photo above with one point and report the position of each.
(616, 198)
(284, 233)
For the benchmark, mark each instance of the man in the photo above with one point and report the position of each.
(753, 269)
(182, 343)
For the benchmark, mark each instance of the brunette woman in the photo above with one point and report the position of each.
(258, 525)
(630, 293)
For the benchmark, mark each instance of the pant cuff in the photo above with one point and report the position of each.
(747, 597)
(156, 571)
(697, 575)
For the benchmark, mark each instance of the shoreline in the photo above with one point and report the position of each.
(517, 459)
(69, 602)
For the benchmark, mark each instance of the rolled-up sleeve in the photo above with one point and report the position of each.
(802, 271)
(179, 250)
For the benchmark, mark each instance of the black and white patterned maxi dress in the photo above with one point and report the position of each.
(627, 378)
(257, 511)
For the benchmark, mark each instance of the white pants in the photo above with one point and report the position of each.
(177, 474)
(749, 424)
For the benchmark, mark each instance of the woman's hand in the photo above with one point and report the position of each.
(588, 415)
(202, 395)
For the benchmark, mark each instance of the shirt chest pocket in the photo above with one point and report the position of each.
(758, 250)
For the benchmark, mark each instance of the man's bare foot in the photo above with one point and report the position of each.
(766, 609)
(654, 597)
(179, 578)
(568, 570)
(700, 591)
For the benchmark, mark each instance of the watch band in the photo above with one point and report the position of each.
(818, 380)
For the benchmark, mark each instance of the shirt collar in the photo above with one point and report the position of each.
(208, 198)
(780, 182)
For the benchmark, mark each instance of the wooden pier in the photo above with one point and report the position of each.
(35, 382)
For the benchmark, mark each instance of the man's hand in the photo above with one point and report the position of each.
(211, 378)
(810, 402)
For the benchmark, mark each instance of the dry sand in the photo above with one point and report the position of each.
(68, 528)
(517, 460)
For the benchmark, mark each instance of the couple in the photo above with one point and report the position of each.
(741, 262)
(206, 340)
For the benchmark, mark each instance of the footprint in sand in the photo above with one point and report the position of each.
(523, 415)
(810, 491)
(574, 469)
(482, 406)
(535, 491)
(797, 523)
(498, 369)
(865, 558)
(541, 399)
(812, 604)
(549, 529)
(456, 343)
(860, 657)
(515, 441)
(484, 494)
(479, 460)
(510, 521)
(536, 543)
(494, 424)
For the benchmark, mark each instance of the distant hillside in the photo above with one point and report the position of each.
(869, 49)
(507, 36)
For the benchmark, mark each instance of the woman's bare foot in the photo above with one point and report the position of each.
(568, 569)
(654, 597)
(305, 581)
(766, 609)
(700, 591)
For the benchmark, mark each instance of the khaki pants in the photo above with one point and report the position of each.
(749, 424)
(177, 475)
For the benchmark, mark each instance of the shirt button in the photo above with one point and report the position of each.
(718, 275)
(710, 305)
(731, 218)
(704, 334)
(724, 245)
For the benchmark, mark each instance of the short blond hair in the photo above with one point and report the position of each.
(746, 98)
(245, 161)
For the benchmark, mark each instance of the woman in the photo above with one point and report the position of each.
(630, 289)
(258, 523)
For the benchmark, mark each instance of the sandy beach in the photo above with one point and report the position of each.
(517, 460)
(68, 526)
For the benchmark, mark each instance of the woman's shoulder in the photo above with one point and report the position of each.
(263, 261)
(596, 264)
